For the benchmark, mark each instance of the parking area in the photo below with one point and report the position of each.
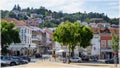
(48, 58)
(8, 61)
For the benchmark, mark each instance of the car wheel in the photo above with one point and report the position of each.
(79, 61)
(69, 61)
(12, 64)
(107, 62)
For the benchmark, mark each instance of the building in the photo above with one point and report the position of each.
(105, 42)
(103, 25)
(49, 42)
(35, 15)
(33, 22)
(26, 47)
(48, 18)
(39, 38)
(92, 25)
(115, 26)
(95, 42)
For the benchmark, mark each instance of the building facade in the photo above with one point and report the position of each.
(106, 50)
(39, 38)
(26, 47)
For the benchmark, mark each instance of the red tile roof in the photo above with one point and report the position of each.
(112, 30)
(48, 31)
(16, 22)
(33, 21)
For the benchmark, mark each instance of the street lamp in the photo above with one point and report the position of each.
(29, 50)
(53, 54)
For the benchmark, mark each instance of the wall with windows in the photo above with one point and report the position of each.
(105, 41)
(95, 45)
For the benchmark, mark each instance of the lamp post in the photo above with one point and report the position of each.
(53, 54)
(29, 50)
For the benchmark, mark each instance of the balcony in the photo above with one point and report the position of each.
(105, 34)
(106, 50)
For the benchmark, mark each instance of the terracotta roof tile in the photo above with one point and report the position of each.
(112, 30)
(16, 22)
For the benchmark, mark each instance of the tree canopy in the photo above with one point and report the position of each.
(115, 47)
(115, 42)
(70, 34)
(8, 35)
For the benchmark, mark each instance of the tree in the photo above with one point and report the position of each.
(86, 36)
(47, 24)
(15, 7)
(64, 34)
(18, 8)
(115, 47)
(70, 34)
(8, 35)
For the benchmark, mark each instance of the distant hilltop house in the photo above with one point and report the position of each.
(104, 25)
(48, 18)
(34, 22)
(35, 15)
(96, 19)
(20, 13)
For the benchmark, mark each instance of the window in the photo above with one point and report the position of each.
(103, 42)
(94, 48)
(109, 43)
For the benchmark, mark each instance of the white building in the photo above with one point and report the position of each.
(95, 45)
(93, 25)
(25, 34)
(85, 23)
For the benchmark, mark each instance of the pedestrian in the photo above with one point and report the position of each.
(64, 60)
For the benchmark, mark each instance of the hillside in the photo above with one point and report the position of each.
(57, 17)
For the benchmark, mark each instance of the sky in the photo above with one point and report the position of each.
(108, 7)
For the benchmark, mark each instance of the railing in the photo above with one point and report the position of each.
(106, 34)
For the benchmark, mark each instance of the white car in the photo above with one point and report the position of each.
(75, 59)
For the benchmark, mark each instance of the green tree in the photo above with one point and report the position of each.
(115, 47)
(8, 35)
(47, 24)
(86, 36)
(70, 34)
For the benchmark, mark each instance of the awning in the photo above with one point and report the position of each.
(60, 51)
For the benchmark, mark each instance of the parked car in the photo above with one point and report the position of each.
(26, 58)
(85, 58)
(38, 55)
(94, 59)
(20, 60)
(75, 59)
(10, 61)
(111, 61)
(4, 62)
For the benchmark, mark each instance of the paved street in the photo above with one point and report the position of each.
(46, 62)
(59, 65)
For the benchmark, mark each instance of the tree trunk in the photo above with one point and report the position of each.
(68, 56)
(72, 51)
(115, 59)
